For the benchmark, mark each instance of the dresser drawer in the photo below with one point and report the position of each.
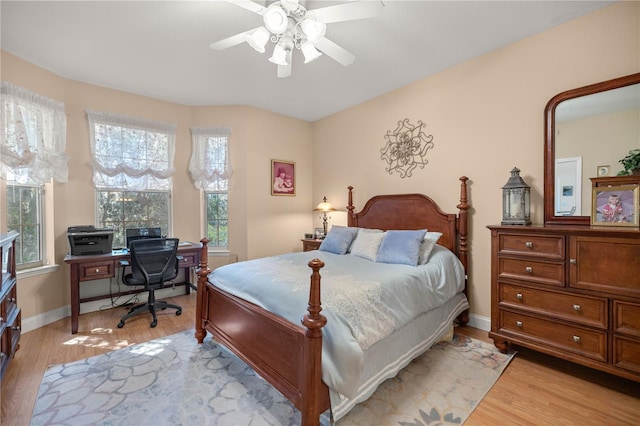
(550, 247)
(577, 340)
(548, 273)
(626, 353)
(585, 310)
(626, 318)
(97, 270)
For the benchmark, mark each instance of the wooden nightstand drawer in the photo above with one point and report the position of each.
(626, 353)
(585, 310)
(308, 245)
(578, 340)
(94, 271)
(548, 273)
(551, 247)
(626, 318)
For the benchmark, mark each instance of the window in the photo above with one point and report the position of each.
(25, 215)
(210, 170)
(32, 143)
(133, 168)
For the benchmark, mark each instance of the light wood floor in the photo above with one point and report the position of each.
(533, 390)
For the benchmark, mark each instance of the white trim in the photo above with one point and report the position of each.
(479, 322)
(39, 270)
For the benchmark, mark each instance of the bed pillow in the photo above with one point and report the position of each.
(426, 247)
(366, 243)
(338, 239)
(400, 247)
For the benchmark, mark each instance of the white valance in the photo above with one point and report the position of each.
(209, 166)
(131, 153)
(34, 136)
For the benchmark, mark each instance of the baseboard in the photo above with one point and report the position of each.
(479, 322)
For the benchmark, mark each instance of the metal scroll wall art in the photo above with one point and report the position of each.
(406, 148)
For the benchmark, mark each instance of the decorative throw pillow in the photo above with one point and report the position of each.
(426, 247)
(400, 247)
(366, 243)
(338, 239)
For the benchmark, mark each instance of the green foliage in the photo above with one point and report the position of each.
(218, 219)
(23, 216)
(630, 163)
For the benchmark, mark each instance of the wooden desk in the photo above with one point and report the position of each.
(97, 267)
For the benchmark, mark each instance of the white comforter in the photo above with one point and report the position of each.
(363, 301)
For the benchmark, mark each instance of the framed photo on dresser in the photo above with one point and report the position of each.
(615, 206)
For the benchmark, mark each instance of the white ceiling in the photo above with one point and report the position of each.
(161, 49)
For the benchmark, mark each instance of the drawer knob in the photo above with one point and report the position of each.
(576, 339)
(528, 244)
(519, 296)
(16, 328)
(528, 270)
(577, 308)
(12, 299)
(519, 324)
(97, 270)
(573, 261)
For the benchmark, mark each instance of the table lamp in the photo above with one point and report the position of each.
(324, 207)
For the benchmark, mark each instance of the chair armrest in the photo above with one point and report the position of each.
(124, 263)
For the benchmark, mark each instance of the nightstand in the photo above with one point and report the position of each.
(308, 245)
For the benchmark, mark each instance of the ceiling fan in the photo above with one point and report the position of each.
(289, 25)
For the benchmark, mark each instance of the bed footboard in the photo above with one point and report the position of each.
(287, 355)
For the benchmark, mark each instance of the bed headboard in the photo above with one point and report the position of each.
(415, 211)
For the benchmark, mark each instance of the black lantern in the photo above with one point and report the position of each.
(516, 204)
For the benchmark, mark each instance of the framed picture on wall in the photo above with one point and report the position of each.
(603, 171)
(283, 177)
(615, 206)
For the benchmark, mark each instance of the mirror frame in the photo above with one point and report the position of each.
(550, 144)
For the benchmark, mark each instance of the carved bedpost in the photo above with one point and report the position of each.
(313, 321)
(463, 217)
(203, 272)
(350, 208)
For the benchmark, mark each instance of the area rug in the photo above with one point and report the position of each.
(175, 381)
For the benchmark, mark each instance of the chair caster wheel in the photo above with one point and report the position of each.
(179, 312)
(153, 324)
(121, 324)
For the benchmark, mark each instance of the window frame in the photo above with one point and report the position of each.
(40, 225)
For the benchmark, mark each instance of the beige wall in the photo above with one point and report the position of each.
(486, 116)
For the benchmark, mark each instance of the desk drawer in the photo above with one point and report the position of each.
(549, 273)
(97, 270)
(580, 341)
(188, 260)
(585, 310)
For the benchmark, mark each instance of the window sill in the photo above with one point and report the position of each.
(40, 270)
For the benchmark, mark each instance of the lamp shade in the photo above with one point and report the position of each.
(279, 55)
(324, 206)
(258, 39)
(314, 30)
(310, 52)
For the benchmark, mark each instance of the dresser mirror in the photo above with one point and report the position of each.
(587, 130)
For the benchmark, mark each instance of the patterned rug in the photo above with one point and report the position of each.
(175, 381)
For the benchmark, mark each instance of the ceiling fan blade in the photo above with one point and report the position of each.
(228, 42)
(249, 5)
(348, 11)
(284, 71)
(335, 52)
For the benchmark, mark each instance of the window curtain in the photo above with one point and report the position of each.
(34, 135)
(130, 153)
(209, 165)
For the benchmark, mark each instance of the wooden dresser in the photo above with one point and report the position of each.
(9, 310)
(571, 292)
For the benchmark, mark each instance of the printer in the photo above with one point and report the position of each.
(87, 239)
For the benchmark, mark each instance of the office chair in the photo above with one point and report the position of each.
(153, 261)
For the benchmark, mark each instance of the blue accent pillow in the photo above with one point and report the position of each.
(400, 247)
(338, 239)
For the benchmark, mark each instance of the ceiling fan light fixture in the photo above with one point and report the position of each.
(310, 52)
(279, 56)
(313, 29)
(289, 5)
(258, 39)
(276, 19)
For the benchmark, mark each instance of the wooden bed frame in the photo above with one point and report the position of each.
(289, 355)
